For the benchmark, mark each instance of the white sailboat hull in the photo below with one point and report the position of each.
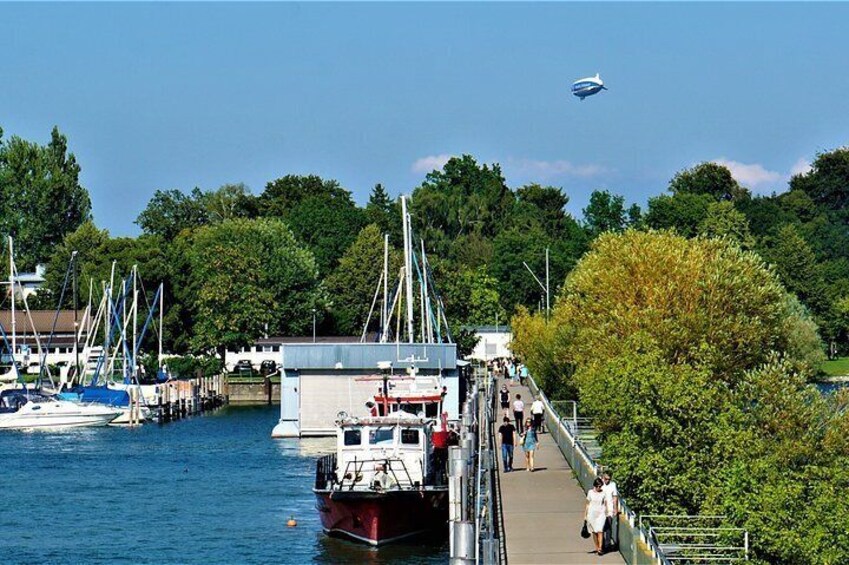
(57, 414)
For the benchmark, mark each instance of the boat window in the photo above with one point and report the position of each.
(353, 437)
(413, 409)
(410, 437)
(380, 435)
(432, 410)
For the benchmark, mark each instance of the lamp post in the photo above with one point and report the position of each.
(544, 287)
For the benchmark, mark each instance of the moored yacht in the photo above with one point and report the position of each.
(23, 409)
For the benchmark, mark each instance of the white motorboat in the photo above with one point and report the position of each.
(21, 409)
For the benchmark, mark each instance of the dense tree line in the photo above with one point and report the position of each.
(694, 362)
(479, 233)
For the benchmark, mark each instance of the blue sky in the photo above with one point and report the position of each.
(161, 96)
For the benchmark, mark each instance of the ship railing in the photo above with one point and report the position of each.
(325, 471)
(353, 475)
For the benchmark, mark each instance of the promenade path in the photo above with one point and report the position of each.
(544, 510)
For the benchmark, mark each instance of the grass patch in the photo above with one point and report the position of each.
(836, 367)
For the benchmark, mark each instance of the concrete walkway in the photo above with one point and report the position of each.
(544, 510)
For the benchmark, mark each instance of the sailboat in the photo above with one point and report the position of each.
(116, 317)
(21, 408)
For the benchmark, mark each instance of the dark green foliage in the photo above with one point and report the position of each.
(41, 199)
(827, 183)
(461, 199)
(683, 212)
(352, 285)
(319, 212)
(171, 211)
(709, 179)
(605, 212)
(249, 277)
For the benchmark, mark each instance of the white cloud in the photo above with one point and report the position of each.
(551, 169)
(800, 167)
(430, 163)
(753, 175)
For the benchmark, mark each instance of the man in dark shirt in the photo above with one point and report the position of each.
(508, 439)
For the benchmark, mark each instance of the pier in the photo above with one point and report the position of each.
(182, 398)
(543, 511)
(536, 518)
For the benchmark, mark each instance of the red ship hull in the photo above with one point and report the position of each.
(377, 518)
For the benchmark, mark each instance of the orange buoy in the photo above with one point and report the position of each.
(291, 523)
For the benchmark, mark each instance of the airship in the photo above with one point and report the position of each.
(588, 86)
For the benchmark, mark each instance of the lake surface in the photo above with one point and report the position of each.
(209, 489)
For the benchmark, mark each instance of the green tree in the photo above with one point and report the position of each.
(471, 298)
(683, 212)
(171, 211)
(248, 278)
(710, 179)
(353, 283)
(544, 206)
(605, 212)
(41, 199)
(723, 220)
(796, 264)
(319, 212)
(827, 183)
(461, 199)
(228, 202)
(690, 355)
(383, 212)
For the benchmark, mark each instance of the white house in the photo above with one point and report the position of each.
(494, 342)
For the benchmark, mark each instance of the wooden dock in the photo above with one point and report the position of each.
(543, 511)
(182, 398)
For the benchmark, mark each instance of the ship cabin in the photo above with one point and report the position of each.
(414, 395)
(375, 453)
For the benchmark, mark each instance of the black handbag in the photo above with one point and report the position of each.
(585, 533)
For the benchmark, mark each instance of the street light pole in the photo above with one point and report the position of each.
(544, 287)
(547, 288)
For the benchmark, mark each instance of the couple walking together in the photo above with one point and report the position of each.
(601, 516)
(527, 438)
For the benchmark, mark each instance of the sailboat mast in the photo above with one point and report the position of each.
(135, 319)
(161, 316)
(385, 313)
(428, 324)
(408, 268)
(12, 291)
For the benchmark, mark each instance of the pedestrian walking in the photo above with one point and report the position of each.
(523, 374)
(529, 445)
(508, 439)
(504, 396)
(519, 412)
(595, 514)
(537, 410)
(611, 504)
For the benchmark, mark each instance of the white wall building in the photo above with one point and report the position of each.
(494, 342)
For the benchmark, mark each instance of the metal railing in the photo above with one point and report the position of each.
(474, 528)
(647, 539)
(634, 544)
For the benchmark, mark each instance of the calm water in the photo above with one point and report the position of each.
(209, 489)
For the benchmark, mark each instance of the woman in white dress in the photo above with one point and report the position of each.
(595, 514)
